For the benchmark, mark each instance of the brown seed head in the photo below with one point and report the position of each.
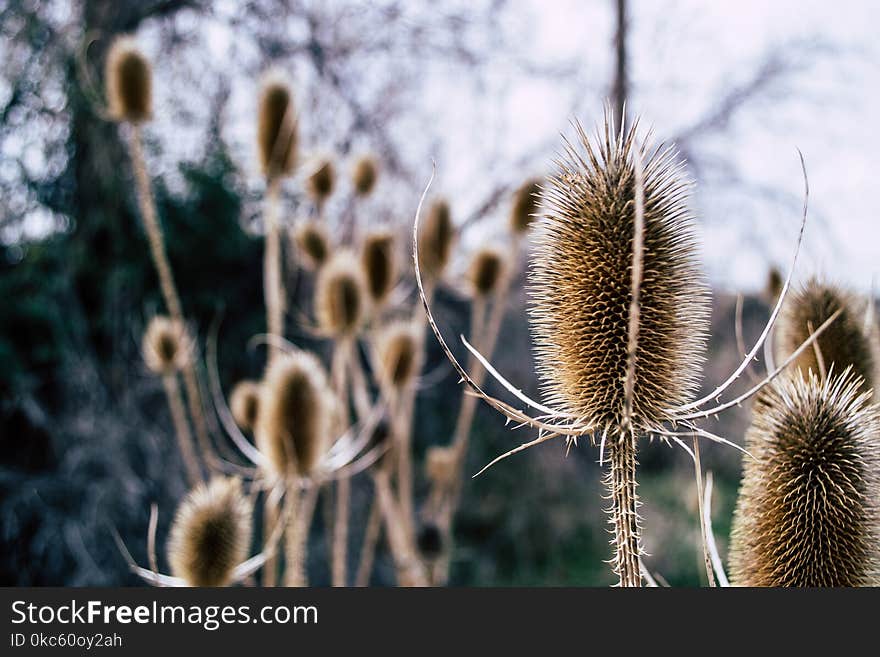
(296, 415)
(320, 184)
(210, 534)
(842, 344)
(773, 287)
(277, 133)
(488, 269)
(526, 203)
(580, 285)
(244, 402)
(364, 175)
(377, 260)
(129, 81)
(313, 243)
(397, 347)
(340, 296)
(807, 508)
(435, 241)
(440, 465)
(166, 345)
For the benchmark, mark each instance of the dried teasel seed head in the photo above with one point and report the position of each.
(296, 415)
(364, 175)
(211, 533)
(377, 260)
(277, 131)
(313, 242)
(435, 241)
(526, 203)
(166, 345)
(128, 77)
(440, 465)
(488, 269)
(321, 183)
(244, 402)
(807, 508)
(397, 349)
(340, 296)
(842, 344)
(773, 286)
(580, 284)
(430, 541)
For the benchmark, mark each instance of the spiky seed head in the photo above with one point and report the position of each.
(807, 508)
(296, 415)
(580, 284)
(313, 242)
(526, 203)
(842, 344)
(377, 260)
(773, 287)
(211, 533)
(128, 77)
(244, 402)
(440, 465)
(166, 345)
(321, 183)
(277, 131)
(488, 269)
(364, 175)
(435, 241)
(340, 296)
(397, 349)
(430, 541)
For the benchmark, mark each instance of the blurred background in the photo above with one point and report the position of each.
(483, 88)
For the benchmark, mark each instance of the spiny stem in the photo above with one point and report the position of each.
(181, 429)
(156, 240)
(298, 535)
(621, 483)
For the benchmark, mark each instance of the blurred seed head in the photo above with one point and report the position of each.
(321, 183)
(842, 344)
(773, 287)
(211, 533)
(128, 77)
(277, 131)
(440, 465)
(430, 541)
(313, 243)
(807, 508)
(435, 241)
(166, 345)
(526, 203)
(487, 271)
(244, 402)
(296, 415)
(580, 286)
(397, 349)
(364, 175)
(340, 296)
(377, 260)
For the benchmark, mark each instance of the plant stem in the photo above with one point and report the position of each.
(621, 483)
(368, 550)
(298, 536)
(409, 568)
(273, 286)
(181, 429)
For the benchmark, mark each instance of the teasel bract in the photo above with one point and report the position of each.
(847, 342)
(211, 533)
(619, 313)
(807, 511)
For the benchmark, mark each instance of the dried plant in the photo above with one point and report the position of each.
(313, 244)
(211, 533)
(364, 175)
(526, 204)
(435, 241)
(340, 296)
(807, 508)
(397, 347)
(488, 270)
(129, 81)
(846, 343)
(320, 184)
(378, 262)
(244, 402)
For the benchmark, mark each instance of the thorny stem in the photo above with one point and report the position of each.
(698, 474)
(273, 287)
(181, 429)
(621, 484)
(156, 240)
(298, 535)
(342, 357)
